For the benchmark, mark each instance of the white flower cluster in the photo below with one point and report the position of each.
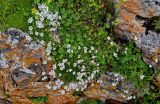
(44, 19)
(141, 77)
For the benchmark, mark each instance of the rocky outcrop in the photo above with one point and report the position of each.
(134, 15)
(26, 70)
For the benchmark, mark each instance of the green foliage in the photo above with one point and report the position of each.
(156, 23)
(84, 24)
(90, 102)
(39, 100)
(130, 63)
(14, 13)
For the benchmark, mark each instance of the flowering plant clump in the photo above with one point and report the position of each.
(79, 56)
(78, 38)
(43, 23)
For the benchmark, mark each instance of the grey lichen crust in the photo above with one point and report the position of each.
(155, 4)
(149, 42)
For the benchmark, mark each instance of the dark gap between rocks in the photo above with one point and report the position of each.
(148, 23)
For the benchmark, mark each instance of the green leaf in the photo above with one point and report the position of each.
(36, 1)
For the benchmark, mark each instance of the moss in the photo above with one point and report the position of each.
(39, 100)
(14, 13)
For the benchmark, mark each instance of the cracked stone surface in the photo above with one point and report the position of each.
(131, 27)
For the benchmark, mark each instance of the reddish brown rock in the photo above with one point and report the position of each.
(133, 15)
(21, 70)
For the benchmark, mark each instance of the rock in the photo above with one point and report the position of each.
(23, 64)
(134, 16)
(158, 80)
(111, 86)
(4, 101)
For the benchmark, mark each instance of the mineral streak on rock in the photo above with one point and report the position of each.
(132, 28)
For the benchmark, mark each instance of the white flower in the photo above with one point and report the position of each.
(93, 57)
(96, 51)
(92, 84)
(114, 84)
(97, 64)
(92, 61)
(39, 24)
(41, 34)
(99, 81)
(49, 58)
(52, 73)
(135, 38)
(44, 62)
(141, 76)
(42, 42)
(129, 98)
(125, 91)
(64, 60)
(115, 54)
(52, 29)
(65, 87)
(92, 48)
(30, 32)
(36, 33)
(54, 66)
(62, 92)
(79, 47)
(150, 66)
(79, 61)
(77, 89)
(112, 43)
(108, 38)
(156, 60)
(75, 64)
(42, 7)
(70, 70)
(68, 46)
(28, 38)
(30, 28)
(85, 51)
(68, 50)
(44, 78)
(30, 20)
(134, 97)
(42, 19)
(74, 73)
(61, 68)
(43, 73)
(48, 86)
(83, 67)
(79, 56)
(54, 87)
(60, 74)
